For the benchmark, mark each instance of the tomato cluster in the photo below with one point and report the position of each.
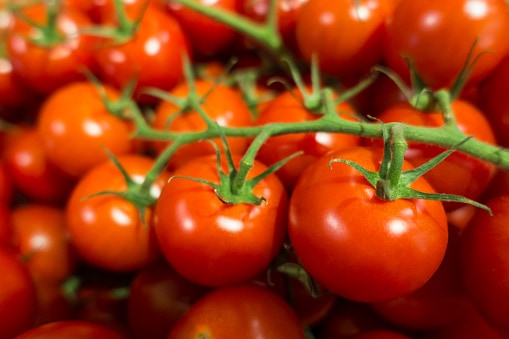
(174, 169)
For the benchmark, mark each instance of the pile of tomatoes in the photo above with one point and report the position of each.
(140, 197)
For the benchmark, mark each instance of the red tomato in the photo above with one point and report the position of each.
(30, 170)
(13, 92)
(47, 67)
(354, 243)
(106, 230)
(207, 36)
(69, 329)
(287, 107)
(153, 56)
(437, 36)
(5, 225)
(18, 300)
(245, 311)
(485, 263)
(223, 105)
(40, 236)
(157, 299)
(6, 186)
(381, 334)
(76, 142)
(458, 174)
(346, 37)
(213, 243)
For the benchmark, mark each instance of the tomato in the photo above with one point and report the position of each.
(30, 170)
(106, 229)
(287, 107)
(381, 334)
(243, 311)
(223, 105)
(357, 245)
(13, 92)
(6, 186)
(52, 303)
(458, 174)
(69, 329)
(437, 36)
(485, 263)
(18, 300)
(207, 36)
(40, 236)
(346, 37)
(5, 225)
(153, 56)
(44, 68)
(76, 142)
(214, 243)
(158, 297)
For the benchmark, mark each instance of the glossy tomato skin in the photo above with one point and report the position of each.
(13, 92)
(223, 105)
(242, 311)
(357, 245)
(46, 68)
(213, 243)
(18, 300)
(6, 185)
(106, 230)
(69, 329)
(76, 142)
(153, 57)
(287, 107)
(5, 225)
(485, 263)
(346, 37)
(438, 36)
(458, 174)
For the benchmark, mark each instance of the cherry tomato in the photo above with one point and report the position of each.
(6, 186)
(13, 92)
(18, 300)
(356, 244)
(76, 142)
(213, 243)
(244, 311)
(223, 105)
(346, 37)
(485, 263)
(40, 236)
(69, 329)
(106, 229)
(5, 225)
(437, 36)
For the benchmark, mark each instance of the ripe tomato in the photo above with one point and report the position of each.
(13, 92)
(18, 300)
(153, 56)
(485, 263)
(106, 230)
(214, 243)
(6, 186)
(76, 142)
(5, 225)
(207, 36)
(46, 68)
(40, 236)
(223, 105)
(346, 37)
(286, 107)
(357, 245)
(30, 170)
(437, 36)
(69, 329)
(458, 174)
(158, 297)
(243, 311)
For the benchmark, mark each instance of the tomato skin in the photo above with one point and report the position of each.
(243, 311)
(484, 259)
(437, 36)
(286, 107)
(18, 300)
(13, 92)
(153, 56)
(5, 225)
(213, 243)
(352, 242)
(41, 236)
(346, 45)
(76, 141)
(68, 329)
(106, 230)
(45, 69)
(223, 105)
(6, 186)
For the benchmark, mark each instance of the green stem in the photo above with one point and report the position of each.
(398, 149)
